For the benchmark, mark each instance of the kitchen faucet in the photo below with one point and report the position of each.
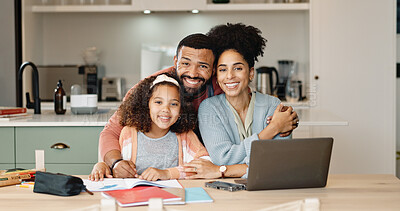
(35, 80)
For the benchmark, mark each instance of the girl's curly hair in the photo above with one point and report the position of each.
(246, 40)
(135, 112)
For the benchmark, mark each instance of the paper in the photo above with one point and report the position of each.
(197, 195)
(126, 183)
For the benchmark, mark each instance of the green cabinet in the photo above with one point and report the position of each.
(78, 156)
(7, 149)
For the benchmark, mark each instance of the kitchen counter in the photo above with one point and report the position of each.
(308, 117)
(50, 118)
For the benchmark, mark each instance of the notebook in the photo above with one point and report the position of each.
(197, 195)
(291, 163)
(126, 183)
(140, 196)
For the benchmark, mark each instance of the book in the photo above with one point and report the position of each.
(197, 195)
(11, 110)
(9, 117)
(140, 195)
(109, 184)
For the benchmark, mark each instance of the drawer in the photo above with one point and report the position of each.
(83, 143)
(7, 152)
(71, 169)
(7, 166)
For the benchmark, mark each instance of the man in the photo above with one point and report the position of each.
(193, 64)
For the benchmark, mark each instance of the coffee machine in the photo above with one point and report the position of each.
(289, 87)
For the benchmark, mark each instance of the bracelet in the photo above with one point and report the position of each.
(113, 164)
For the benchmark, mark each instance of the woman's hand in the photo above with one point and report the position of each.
(284, 121)
(153, 174)
(125, 169)
(201, 168)
(98, 172)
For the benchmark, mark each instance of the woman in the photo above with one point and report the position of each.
(230, 122)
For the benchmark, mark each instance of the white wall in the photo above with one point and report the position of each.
(120, 36)
(7, 54)
(354, 56)
(398, 106)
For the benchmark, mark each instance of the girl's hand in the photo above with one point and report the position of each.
(98, 172)
(284, 121)
(153, 174)
(201, 168)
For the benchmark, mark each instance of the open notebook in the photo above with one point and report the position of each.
(109, 184)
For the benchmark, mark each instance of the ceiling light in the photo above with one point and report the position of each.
(195, 11)
(146, 11)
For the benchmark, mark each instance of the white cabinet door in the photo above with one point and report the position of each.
(353, 55)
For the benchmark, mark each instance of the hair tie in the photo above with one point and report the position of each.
(164, 78)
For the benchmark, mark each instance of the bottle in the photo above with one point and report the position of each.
(60, 99)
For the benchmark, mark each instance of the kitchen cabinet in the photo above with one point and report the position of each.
(78, 158)
(7, 149)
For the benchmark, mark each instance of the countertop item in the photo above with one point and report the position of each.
(343, 192)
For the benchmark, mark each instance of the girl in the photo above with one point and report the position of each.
(157, 136)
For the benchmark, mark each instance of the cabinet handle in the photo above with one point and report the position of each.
(59, 146)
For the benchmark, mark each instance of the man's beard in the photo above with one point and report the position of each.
(192, 93)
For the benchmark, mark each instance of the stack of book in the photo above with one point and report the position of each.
(134, 192)
(12, 113)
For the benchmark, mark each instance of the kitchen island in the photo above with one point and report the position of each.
(70, 141)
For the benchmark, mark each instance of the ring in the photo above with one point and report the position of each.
(195, 169)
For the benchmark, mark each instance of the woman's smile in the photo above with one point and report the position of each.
(232, 85)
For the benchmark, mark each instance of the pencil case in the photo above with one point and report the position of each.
(58, 184)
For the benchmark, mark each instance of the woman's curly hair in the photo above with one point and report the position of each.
(135, 112)
(246, 40)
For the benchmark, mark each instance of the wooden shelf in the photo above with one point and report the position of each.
(257, 7)
(84, 8)
(205, 8)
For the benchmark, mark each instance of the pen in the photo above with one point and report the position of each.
(27, 183)
(25, 186)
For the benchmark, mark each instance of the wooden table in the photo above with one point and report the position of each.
(343, 192)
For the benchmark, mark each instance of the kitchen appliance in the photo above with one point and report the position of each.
(112, 89)
(85, 76)
(266, 83)
(293, 92)
(284, 68)
(84, 103)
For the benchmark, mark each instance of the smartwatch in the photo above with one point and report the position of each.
(222, 169)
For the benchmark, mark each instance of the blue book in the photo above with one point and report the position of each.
(197, 195)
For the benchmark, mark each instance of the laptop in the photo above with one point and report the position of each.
(291, 163)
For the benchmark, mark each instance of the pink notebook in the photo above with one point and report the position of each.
(140, 195)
